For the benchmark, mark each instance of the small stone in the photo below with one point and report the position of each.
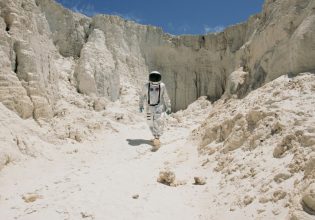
(205, 162)
(278, 195)
(31, 197)
(200, 180)
(99, 104)
(86, 215)
(136, 196)
(281, 177)
(211, 151)
(285, 145)
(264, 188)
(78, 137)
(276, 211)
(119, 116)
(248, 200)
(259, 211)
(166, 177)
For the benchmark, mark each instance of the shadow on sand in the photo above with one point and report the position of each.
(137, 142)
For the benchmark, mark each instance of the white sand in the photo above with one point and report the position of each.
(98, 177)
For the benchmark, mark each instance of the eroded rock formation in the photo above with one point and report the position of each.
(107, 53)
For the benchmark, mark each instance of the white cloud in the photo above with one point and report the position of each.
(215, 29)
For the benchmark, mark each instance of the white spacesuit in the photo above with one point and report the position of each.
(157, 102)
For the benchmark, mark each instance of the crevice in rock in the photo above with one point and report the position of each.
(86, 38)
(24, 84)
(15, 61)
(87, 33)
(33, 114)
(202, 42)
(175, 81)
(224, 81)
(7, 24)
(78, 91)
(197, 85)
(16, 64)
(258, 78)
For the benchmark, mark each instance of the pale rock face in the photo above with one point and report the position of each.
(12, 93)
(69, 31)
(95, 72)
(269, 131)
(302, 45)
(19, 138)
(63, 70)
(123, 42)
(237, 83)
(277, 41)
(30, 53)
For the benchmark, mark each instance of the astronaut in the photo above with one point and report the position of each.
(157, 102)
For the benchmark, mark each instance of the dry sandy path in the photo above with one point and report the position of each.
(97, 180)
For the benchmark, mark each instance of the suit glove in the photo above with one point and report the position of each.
(168, 111)
(141, 109)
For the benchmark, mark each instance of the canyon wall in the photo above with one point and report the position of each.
(44, 45)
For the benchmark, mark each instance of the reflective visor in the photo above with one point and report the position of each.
(153, 77)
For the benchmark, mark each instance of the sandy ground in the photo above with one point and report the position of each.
(97, 180)
(111, 173)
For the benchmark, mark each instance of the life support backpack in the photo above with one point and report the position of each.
(149, 89)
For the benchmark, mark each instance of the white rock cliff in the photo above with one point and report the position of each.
(249, 93)
(34, 34)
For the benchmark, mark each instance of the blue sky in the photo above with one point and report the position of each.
(174, 16)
